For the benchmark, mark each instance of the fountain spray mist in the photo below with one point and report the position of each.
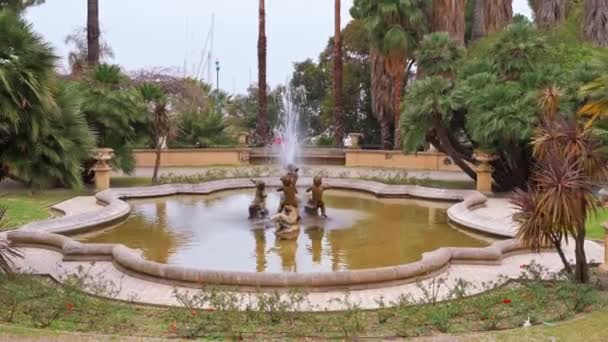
(288, 126)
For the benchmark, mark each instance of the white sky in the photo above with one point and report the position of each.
(157, 33)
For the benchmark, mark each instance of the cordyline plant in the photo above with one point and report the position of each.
(6, 251)
(560, 196)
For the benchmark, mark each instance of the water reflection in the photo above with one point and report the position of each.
(213, 232)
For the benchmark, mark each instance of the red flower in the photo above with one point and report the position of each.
(506, 301)
(173, 327)
(209, 309)
(522, 266)
(194, 313)
(69, 306)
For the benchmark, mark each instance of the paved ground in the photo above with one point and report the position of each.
(78, 205)
(41, 261)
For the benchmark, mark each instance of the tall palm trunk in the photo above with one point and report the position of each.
(382, 99)
(595, 23)
(497, 14)
(396, 67)
(262, 129)
(93, 32)
(581, 270)
(448, 16)
(159, 152)
(479, 26)
(338, 77)
(549, 13)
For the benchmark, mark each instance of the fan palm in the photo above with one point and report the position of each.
(394, 28)
(26, 76)
(111, 108)
(64, 144)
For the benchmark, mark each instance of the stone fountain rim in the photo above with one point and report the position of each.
(52, 234)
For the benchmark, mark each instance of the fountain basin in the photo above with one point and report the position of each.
(51, 234)
(214, 233)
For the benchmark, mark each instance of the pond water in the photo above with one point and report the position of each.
(214, 233)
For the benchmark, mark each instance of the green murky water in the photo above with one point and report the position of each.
(213, 232)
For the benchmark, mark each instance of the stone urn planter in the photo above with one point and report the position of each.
(102, 168)
(354, 140)
(484, 171)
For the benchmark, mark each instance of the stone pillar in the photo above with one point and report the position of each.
(243, 139)
(604, 266)
(355, 140)
(102, 169)
(484, 172)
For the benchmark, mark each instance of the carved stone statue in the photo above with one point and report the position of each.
(286, 222)
(289, 193)
(316, 202)
(257, 208)
(292, 172)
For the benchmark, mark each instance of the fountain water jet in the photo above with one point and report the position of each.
(289, 126)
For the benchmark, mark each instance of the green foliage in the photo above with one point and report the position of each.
(314, 81)
(114, 112)
(517, 50)
(393, 25)
(494, 96)
(438, 54)
(427, 97)
(26, 78)
(57, 156)
(202, 129)
(19, 6)
(45, 138)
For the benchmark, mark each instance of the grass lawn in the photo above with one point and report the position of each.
(589, 328)
(23, 206)
(595, 230)
(34, 307)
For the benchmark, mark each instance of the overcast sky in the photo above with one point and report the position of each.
(161, 33)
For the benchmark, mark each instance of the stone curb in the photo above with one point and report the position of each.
(429, 265)
(463, 213)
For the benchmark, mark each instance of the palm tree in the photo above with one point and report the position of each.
(498, 14)
(394, 28)
(595, 29)
(26, 96)
(163, 127)
(548, 13)
(262, 129)
(448, 16)
(93, 32)
(491, 16)
(338, 78)
(111, 108)
(479, 26)
(19, 5)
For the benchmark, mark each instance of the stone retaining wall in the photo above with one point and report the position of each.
(202, 157)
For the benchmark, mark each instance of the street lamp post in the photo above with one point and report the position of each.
(217, 69)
